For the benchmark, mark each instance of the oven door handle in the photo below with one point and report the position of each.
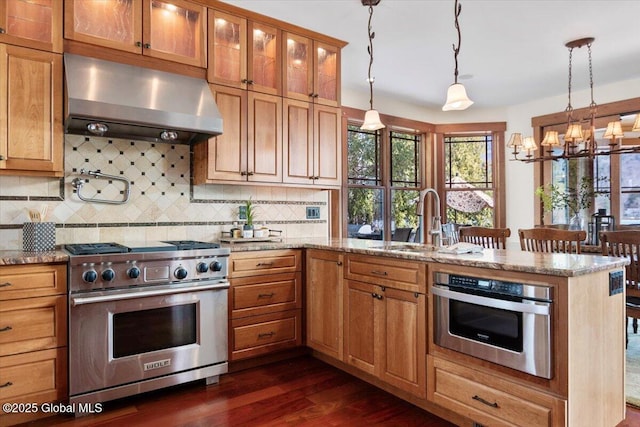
(106, 297)
(542, 308)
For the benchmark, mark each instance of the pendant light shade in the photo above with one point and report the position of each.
(457, 98)
(614, 130)
(372, 121)
(551, 139)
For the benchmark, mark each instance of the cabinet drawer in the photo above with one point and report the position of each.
(32, 324)
(265, 294)
(32, 280)
(36, 377)
(399, 274)
(258, 335)
(244, 264)
(489, 400)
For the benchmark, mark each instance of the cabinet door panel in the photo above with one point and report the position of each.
(116, 24)
(298, 142)
(360, 329)
(327, 76)
(227, 49)
(327, 145)
(265, 58)
(298, 79)
(31, 97)
(34, 24)
(264, 144)
(404, 329)
(324, 302)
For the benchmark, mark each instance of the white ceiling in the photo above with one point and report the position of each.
(512, 51)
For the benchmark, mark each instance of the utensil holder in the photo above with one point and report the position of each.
(38, 236)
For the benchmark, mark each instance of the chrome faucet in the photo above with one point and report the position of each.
(436, 225)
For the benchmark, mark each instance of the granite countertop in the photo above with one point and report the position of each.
(566, 265)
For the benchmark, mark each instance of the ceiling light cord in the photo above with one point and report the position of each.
(456, 50)
(370, 51)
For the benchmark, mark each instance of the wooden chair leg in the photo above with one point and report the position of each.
(635, 325)
(626, 332)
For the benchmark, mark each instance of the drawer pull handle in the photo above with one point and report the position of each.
(266, 295)
(6, 328)
(379, 273)
(4, 285)
(264, 264)
(7, 384)
(266, 334)
(486, 402)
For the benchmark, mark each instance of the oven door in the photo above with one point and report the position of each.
(117, 338)
(516, 334)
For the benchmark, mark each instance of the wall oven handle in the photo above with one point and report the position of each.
(106, 297)
(543, 308)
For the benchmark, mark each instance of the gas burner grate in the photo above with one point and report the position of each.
(183, 245)
(95, 248)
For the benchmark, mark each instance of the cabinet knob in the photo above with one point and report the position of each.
(339, 263)
(315, 95)
(250, 82)
(1, 157)
(249, 173)
(7, 384)
(147, 46)
(244, 81)
(243, 173)
(139, 44)
(6, 328)
(312, 177)
(2, 31)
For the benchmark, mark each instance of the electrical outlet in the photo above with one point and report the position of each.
(313, 212)
(616, 285)
(242, 212)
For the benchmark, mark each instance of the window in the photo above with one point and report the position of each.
(468, 164)
(382, 186)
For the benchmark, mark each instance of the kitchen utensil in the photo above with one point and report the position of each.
(43, 212)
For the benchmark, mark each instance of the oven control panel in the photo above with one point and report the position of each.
(541, 292)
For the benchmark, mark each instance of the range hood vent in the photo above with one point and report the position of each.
(123, 101)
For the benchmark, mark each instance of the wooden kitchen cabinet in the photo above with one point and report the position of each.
(33, 337)
(265, 302)
(311, 70)
(33, 24)
(385, 327)
(489, 400)
(250, 149)
(324, 301)
(31, 133)
(244, 54)
(312, 147)
(173, 30)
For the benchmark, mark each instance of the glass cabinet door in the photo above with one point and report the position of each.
(326, 78)
(227, 49)
(298, 68)
(116, 24)
(264, 59)
(175, 30)
(32, 23)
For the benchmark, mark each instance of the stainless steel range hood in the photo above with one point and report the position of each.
(123, 101)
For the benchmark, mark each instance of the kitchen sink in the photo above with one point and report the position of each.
(413, 248)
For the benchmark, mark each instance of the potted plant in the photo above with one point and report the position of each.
(575, 199)
(247, 229)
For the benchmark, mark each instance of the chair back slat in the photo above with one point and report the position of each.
(551, 240)
(491, 238)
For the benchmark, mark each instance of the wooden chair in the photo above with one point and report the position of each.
(492, 238)
(551, 240)
(626, 244)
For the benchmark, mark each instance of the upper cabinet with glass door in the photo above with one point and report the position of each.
(35, 24)
(244, 54)
(311, 71)
(172, 30)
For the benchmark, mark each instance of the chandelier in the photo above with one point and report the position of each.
(578, 142)
(372, 117)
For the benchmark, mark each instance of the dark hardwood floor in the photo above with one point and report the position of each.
(298, 392)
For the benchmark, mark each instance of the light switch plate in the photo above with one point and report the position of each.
(313, 212)
(242, 212)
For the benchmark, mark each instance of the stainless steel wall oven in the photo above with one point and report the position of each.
(503, 322)
(146, 317)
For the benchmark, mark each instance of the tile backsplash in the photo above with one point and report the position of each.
(162, 203)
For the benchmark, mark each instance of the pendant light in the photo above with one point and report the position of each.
(371, 118)
(457, 98)
(636, 124)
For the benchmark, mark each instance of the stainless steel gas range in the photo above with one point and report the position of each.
(145, 316)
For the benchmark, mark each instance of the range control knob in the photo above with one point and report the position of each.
(108, 275)
(90, 276)
(181, 273)
(133, 273)
(216, 266)
(202, 267)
